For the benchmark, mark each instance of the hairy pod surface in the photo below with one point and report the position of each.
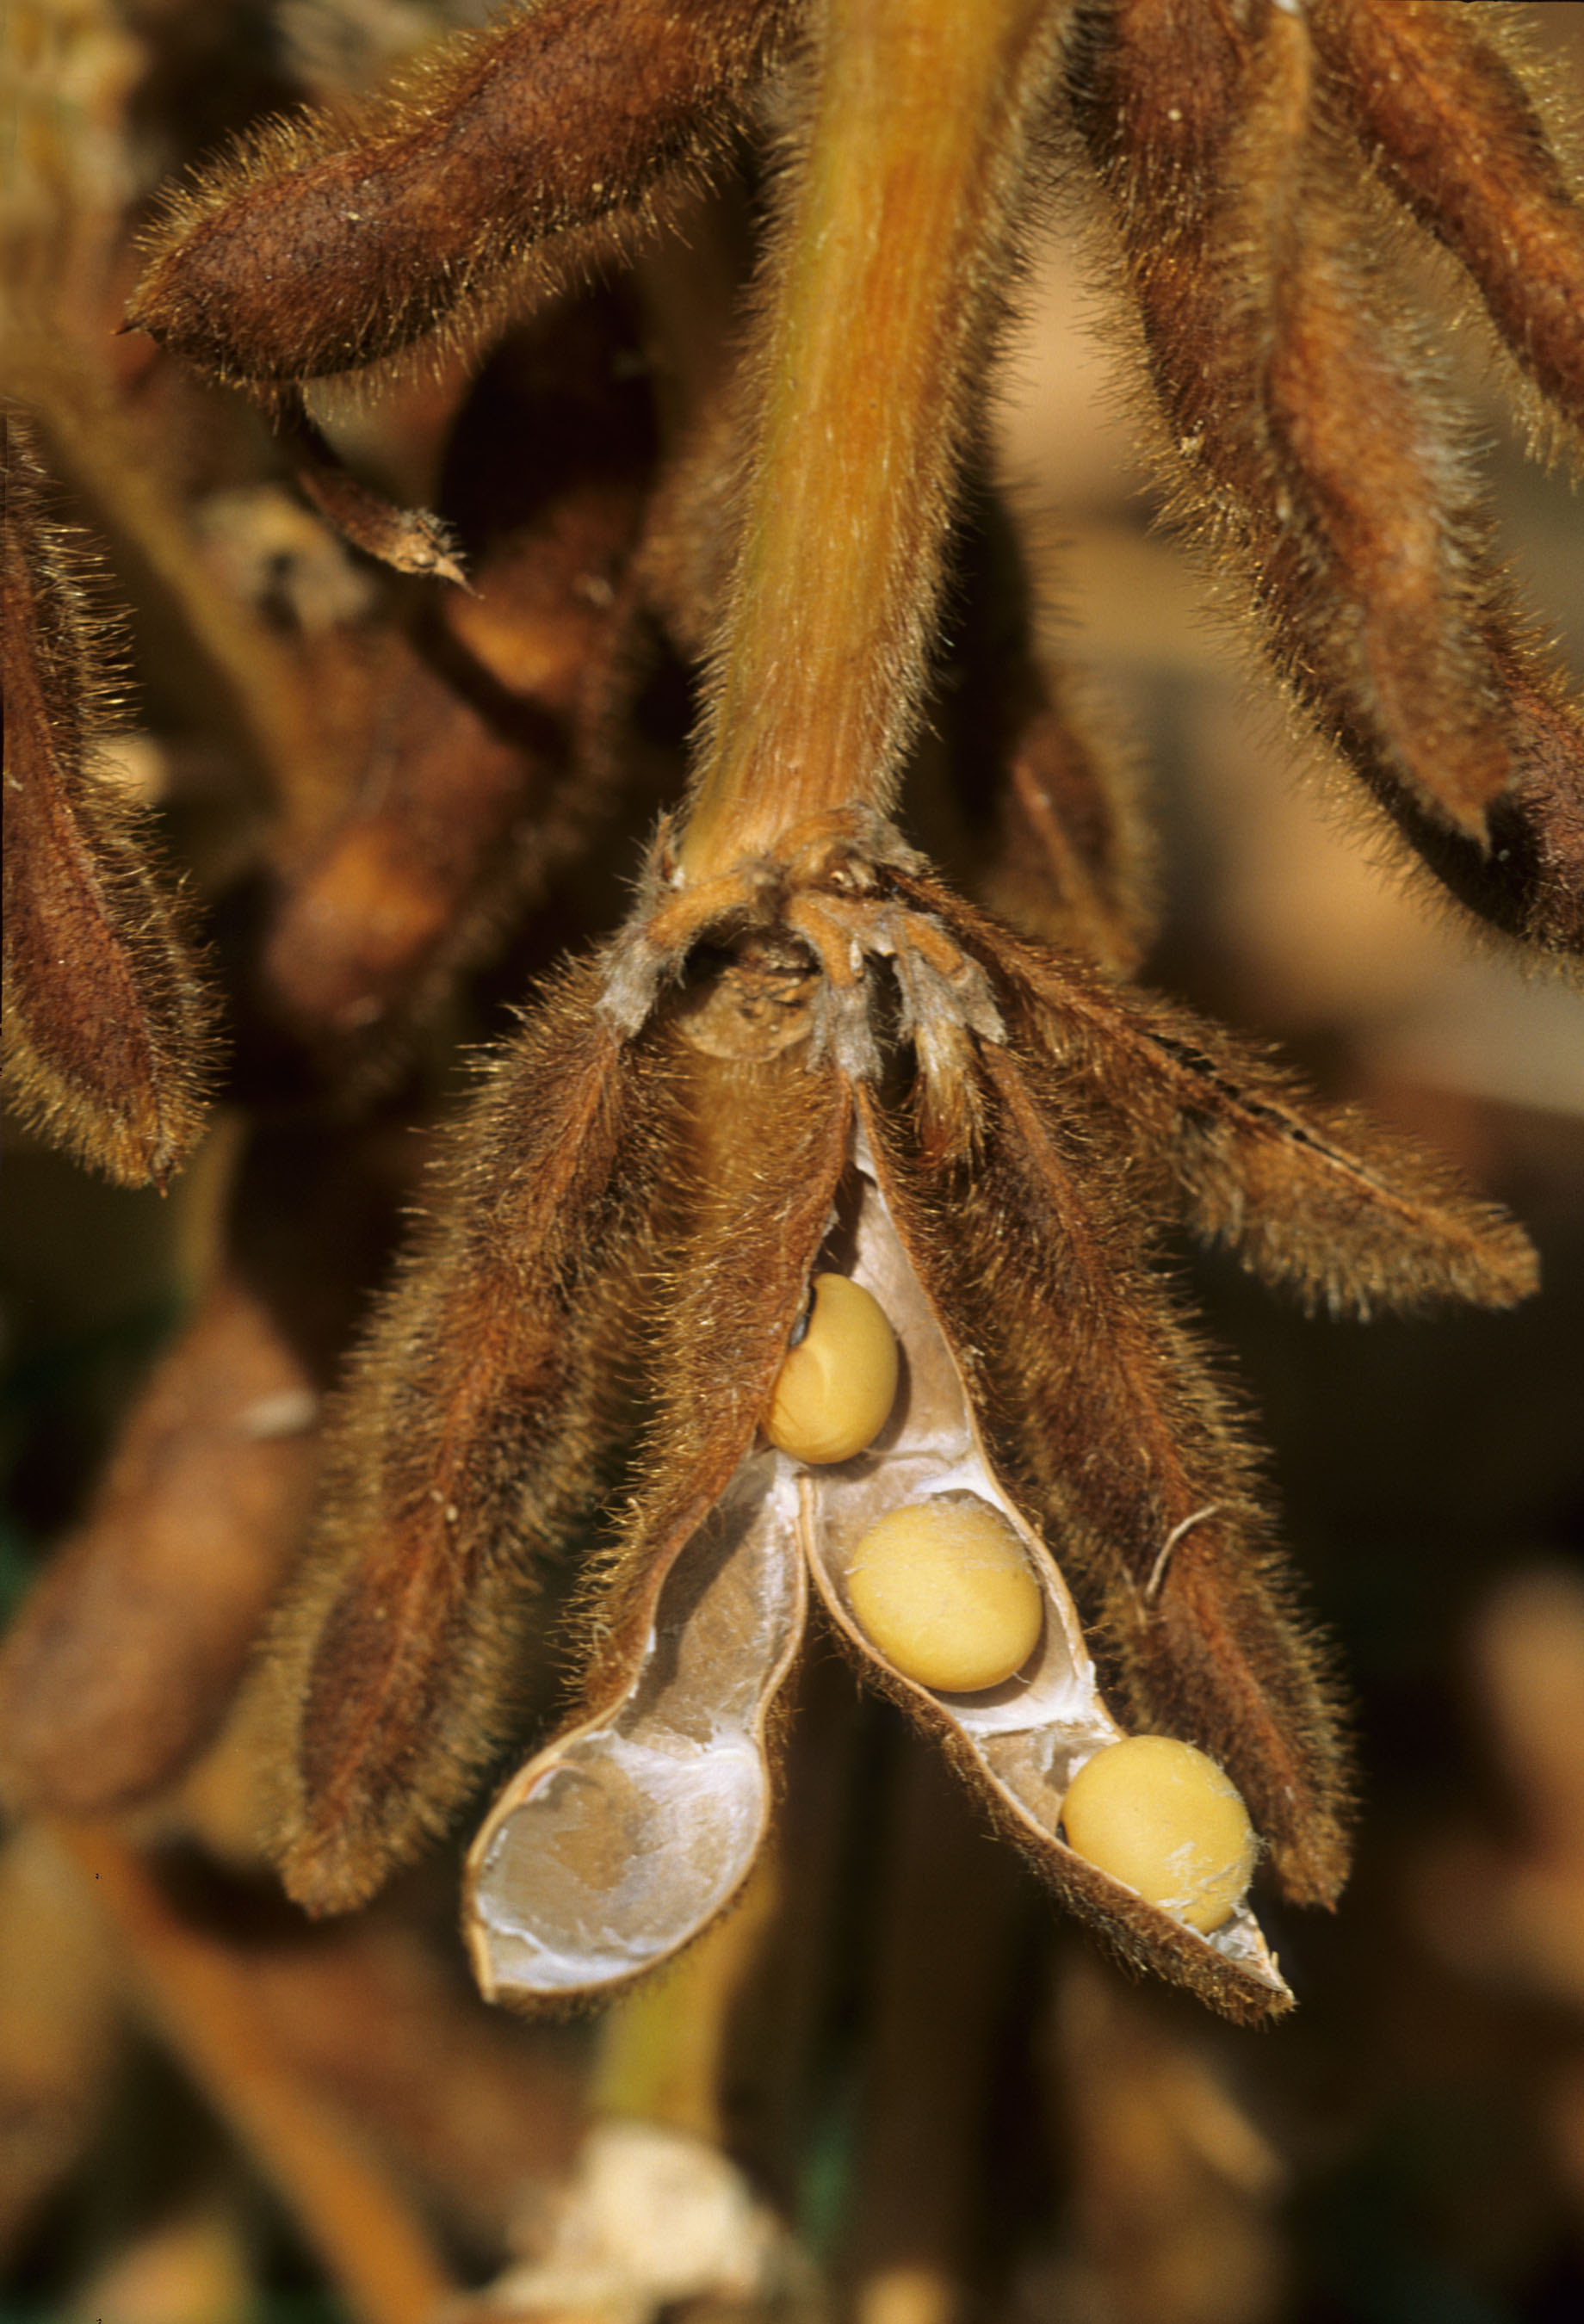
(470, 1437)
(505, 163)
(109, 1033)
(622, 1839)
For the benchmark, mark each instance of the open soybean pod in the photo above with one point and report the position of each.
(1017, 1745)
(623, 1839)
(618, 1844)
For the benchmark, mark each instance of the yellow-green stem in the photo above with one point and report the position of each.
(876, 336)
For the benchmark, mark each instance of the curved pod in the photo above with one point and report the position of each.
(1020, 1743)
(623, 1839)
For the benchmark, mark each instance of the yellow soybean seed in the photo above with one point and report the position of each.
(944, 1589)
(834, 1393)
(1162, 1817)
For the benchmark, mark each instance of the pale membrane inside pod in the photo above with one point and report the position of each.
(623, 1837)
(1031, 1733)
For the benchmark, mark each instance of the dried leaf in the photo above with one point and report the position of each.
(120, 1665)
(456, 801)
(109, 1034)
(505, 163)
(470, 1437)
(471, 773)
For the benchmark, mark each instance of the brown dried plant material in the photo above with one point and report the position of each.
(1306, 433)
(504, 164)
(1049, 824)
(478, 758)
(109, 1033)
(120, 1664)
(473, 1432)
(1448, 121)
(454, 802)
(1172, 2190)
(197, 1993)
(478, 2110)
(59, 2008)
(796, 947)
(1016, 1205)
(410, 540)
(210, 654)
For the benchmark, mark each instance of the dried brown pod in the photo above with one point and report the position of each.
(1308, 438)
(506, 162)
(120, 1664)
(474, 1429)
(1315, 1200)
(1305, 424)
(1441, 104)
(1528, 882)
(635, 1827)
(699, 1618)
(1014, 1264)
(1139, 1467)
(109, 1032)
